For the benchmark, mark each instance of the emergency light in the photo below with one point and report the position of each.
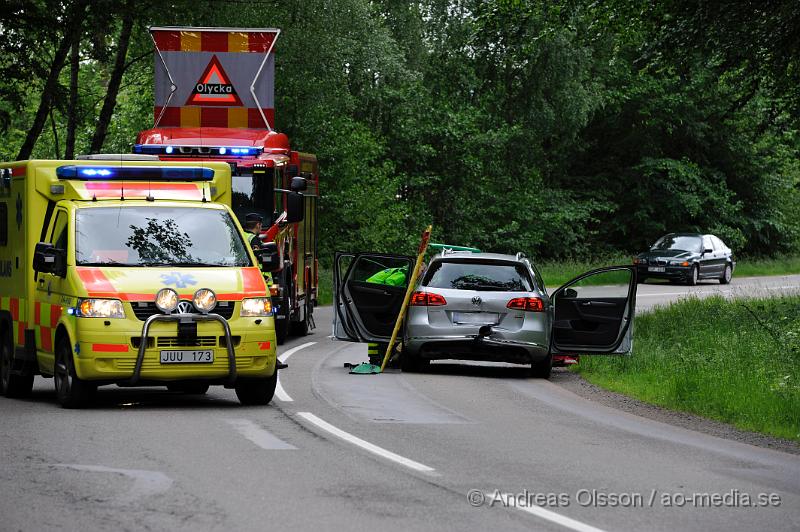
(133, 173)
(228, 151)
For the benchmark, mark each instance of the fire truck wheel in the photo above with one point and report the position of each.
(71, 391)
(256, 392)
(300, 328)
(285, 312)
(188, 387)
(12, 385)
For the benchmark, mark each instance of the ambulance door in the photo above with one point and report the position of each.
(50, 289)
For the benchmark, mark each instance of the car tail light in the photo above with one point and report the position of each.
(427, 299)
(684, 263)
(531, 304)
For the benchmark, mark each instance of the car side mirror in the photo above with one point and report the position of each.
(49, 259)
(298, 184)
(570, 292)
(269, 257)
(295, 208)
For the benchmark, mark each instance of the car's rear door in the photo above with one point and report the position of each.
(593, 313)
(368, 294)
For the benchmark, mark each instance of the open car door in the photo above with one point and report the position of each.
(593, 313)
(368, 292)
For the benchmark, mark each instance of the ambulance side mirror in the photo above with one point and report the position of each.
(294, 208)
(269, 257)
(48, 259)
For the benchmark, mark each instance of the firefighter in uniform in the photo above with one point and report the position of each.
(252, 224)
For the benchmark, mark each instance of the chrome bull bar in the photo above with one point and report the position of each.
(185, 318)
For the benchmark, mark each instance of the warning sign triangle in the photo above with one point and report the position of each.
(214, 87)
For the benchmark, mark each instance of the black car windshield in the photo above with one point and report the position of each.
(473, 275)
(678, 242)
(157, 236)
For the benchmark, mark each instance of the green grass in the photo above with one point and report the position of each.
(325, 288)
(783, 266)
(734, 361)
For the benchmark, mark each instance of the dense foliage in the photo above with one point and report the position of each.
(564, 128)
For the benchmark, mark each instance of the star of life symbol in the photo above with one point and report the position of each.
(214, 87)
(180, 280)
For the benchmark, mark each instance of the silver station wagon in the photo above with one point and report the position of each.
(483, 306)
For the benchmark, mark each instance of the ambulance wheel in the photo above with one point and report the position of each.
(12, 385)
(285, 312)
(256, 392)
(188, 387)
(71, 391)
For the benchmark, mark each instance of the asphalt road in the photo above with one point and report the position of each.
(449, 449)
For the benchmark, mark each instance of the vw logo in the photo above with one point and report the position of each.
(184, 307)
(477, 300)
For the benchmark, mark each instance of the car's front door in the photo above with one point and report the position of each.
(593, 313)
(369, 289)
(710, 261)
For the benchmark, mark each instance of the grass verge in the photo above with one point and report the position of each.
(735, 361)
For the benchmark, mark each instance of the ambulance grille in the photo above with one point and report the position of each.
(145, 309)
(176, 341)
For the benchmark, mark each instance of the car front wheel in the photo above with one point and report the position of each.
(726, 275)
(71, 391)
(693, 276)
(256, 392)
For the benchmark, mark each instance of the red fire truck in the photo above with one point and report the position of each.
(214, 100)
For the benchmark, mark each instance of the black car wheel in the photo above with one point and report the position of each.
(726, 275)
(411, 362)
(71, 391)
(693, 275)
(256, 392)
(543, 368)
(12, 385)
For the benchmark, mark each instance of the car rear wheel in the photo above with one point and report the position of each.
(71, 391)
(10, 384)
(411, 362)
(726, 275)
(256, 392)
(693, 276)
(543, 368)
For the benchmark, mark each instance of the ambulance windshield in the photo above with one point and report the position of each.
(157, 236)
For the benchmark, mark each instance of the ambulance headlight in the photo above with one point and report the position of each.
(205, 300)
(101, 308)
(256, 306)
(167, 300)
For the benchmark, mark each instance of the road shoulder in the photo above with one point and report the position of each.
(579, 386)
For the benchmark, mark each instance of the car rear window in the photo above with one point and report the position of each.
(489, 276)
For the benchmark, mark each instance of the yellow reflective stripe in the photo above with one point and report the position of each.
(238, 42)
(190, 41)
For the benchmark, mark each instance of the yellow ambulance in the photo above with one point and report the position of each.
(130, 272)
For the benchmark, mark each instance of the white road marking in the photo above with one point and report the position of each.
(262, 438)
(145, 483)
(280, 393)
(367, 446)
(509, 500)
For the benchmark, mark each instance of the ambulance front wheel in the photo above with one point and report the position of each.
(71, 391)
(10, 384)
(256, 392)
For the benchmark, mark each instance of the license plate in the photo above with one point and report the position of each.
(475, 318)
(656, 269)
(197, 356)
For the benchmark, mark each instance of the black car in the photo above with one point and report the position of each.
(686, 257)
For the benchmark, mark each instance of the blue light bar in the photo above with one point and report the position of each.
(135, 173)
(198, 151)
